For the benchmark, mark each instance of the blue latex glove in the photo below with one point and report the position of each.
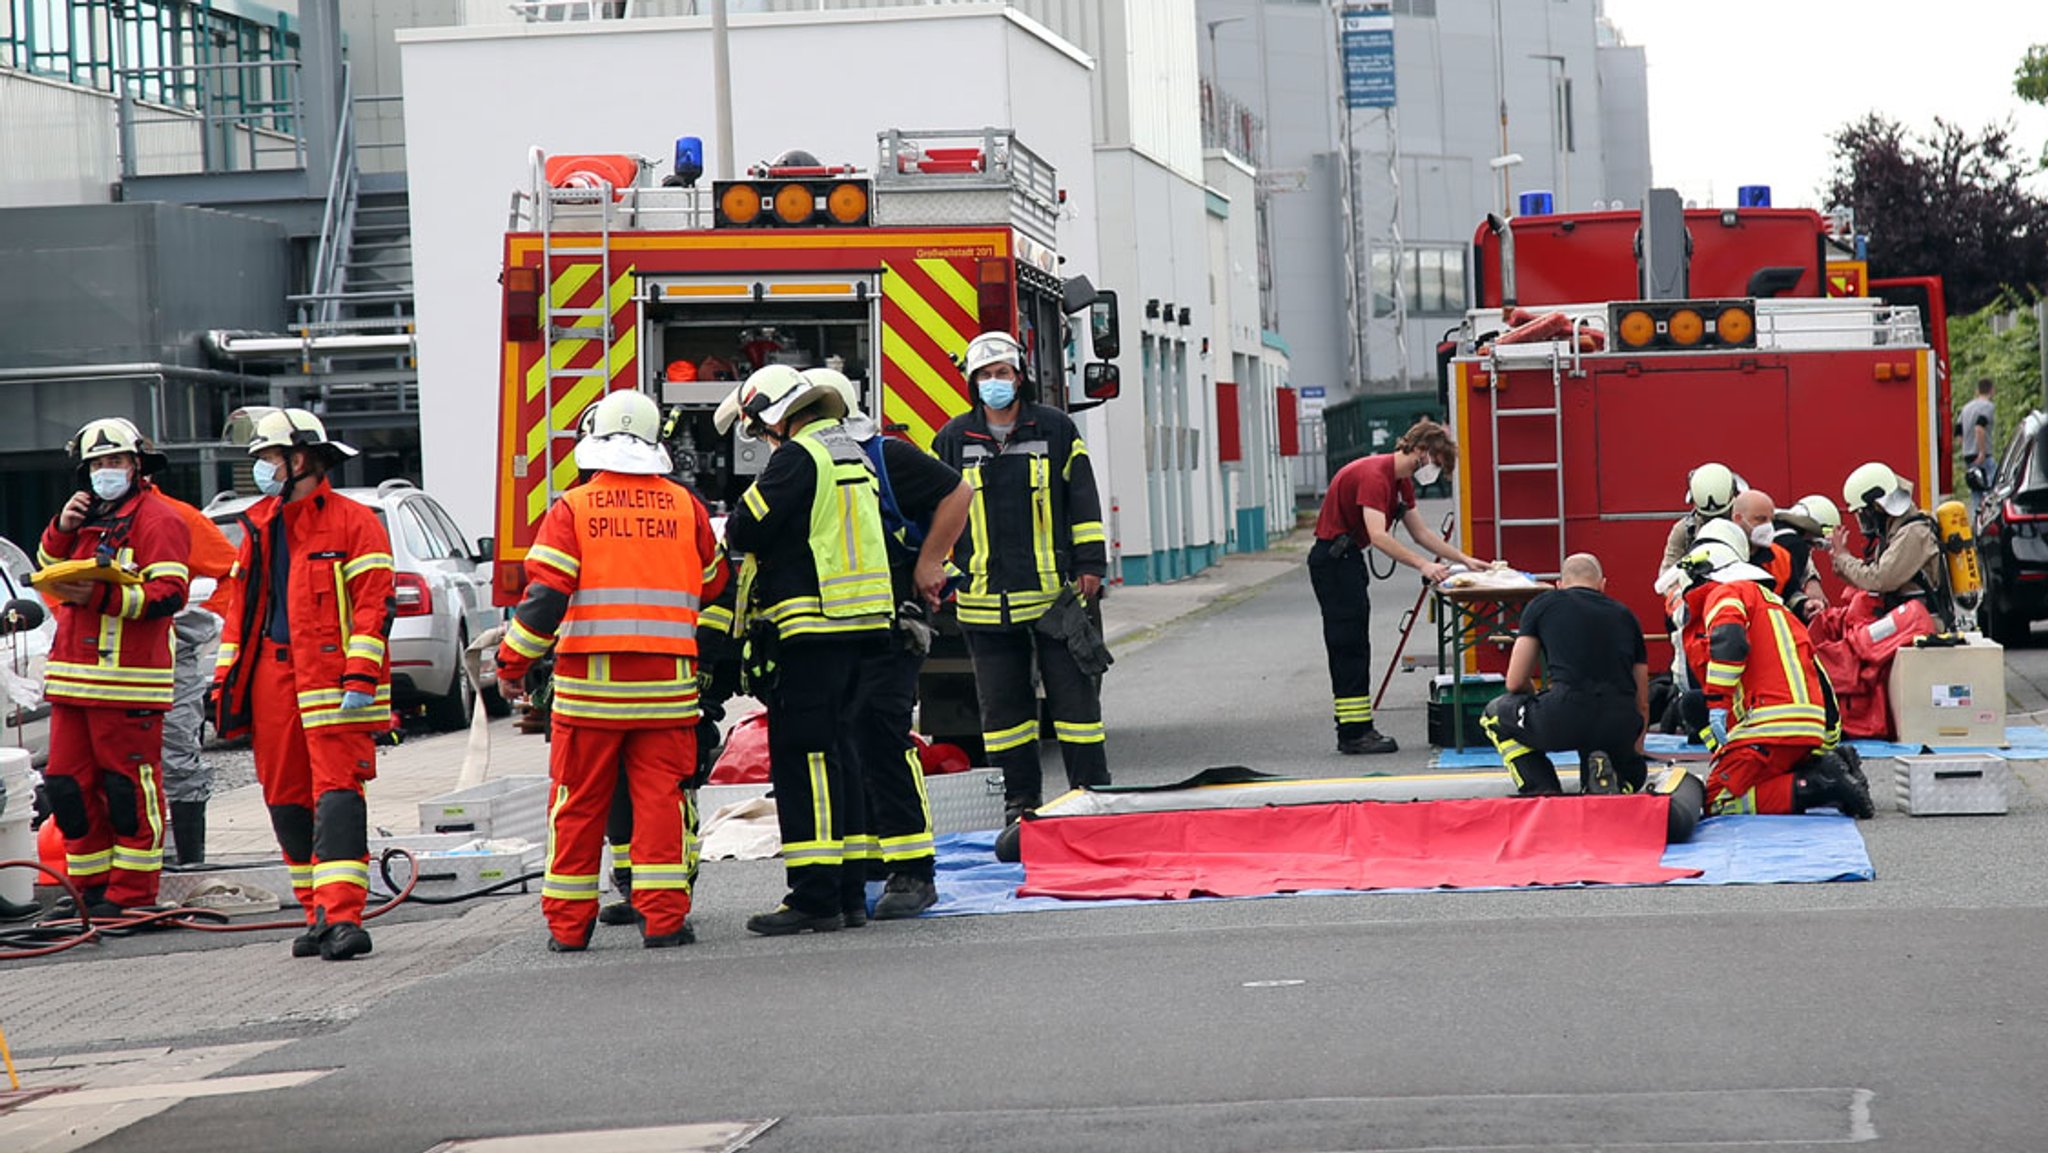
(355, 699)
(1717, 724)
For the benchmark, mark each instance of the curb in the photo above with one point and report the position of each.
(1138, 635)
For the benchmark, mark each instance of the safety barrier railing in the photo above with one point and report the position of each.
(248, 115)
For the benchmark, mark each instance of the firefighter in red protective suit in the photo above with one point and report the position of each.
(615, 577)
(1766, 711)
(109, 677)
(303, 668)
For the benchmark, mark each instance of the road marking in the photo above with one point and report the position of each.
(175, 1090)
(708, 1137)
(1275, 984)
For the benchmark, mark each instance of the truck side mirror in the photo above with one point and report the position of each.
(1100, 381)
(486, 548)
(1104, 335)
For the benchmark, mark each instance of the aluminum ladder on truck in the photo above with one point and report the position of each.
(1551, 410)
(559, 322)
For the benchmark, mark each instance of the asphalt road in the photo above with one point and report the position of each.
(1910, 1013)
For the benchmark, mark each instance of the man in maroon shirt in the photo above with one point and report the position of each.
(1366, 498)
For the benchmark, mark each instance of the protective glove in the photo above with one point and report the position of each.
(356, 699)
(1717, 724)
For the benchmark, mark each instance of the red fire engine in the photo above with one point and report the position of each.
(1614, 351)
(613, 281)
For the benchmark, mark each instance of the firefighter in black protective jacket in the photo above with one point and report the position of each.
(1034, 528)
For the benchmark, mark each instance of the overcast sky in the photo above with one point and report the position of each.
(1748, 91)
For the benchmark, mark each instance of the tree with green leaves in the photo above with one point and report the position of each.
(1946, 203)
(2000, 342)
(2030, 82)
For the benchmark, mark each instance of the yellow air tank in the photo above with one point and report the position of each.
(1964, 577)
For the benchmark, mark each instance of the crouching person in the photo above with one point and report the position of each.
(1598, 700)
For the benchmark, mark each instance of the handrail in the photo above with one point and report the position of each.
(337, 219)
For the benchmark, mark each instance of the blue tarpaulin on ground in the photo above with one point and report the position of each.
(1738, 850)
(2022, 743)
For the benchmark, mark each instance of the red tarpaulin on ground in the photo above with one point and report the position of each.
(1469, 843)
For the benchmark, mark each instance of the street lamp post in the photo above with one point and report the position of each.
(1215, 65)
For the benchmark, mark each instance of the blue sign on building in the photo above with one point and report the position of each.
(1314, 392)
(1368, 40)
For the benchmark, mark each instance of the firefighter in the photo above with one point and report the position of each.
(1766, 715)
(109, 679)
(1753, 512)
(188, 779)
(924, 507)
(1597, 702)
(1365, 500)
(616, 574)
(1034, 529)
(1801, 529)
(1902, 557)
(1710, 490)
(304, 669)
(815, 599)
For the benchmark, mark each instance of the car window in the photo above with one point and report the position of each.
(422, 544)
(440, 518)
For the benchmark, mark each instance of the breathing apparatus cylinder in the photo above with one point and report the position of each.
(1965, 577)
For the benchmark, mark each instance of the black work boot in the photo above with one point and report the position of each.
(785, 921)
(1014, 808)
(344, 941)
(618, 913)
(1371, 742)
(683, 936)
(188, 828)
(307, 944)
(1823, 780)
(1597, 777)
(904, 896)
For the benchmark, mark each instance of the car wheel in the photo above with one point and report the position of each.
(450, 711)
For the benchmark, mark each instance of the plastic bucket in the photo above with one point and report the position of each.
(17, 843)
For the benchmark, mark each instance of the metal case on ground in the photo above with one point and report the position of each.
(1952, 784)
(506, 807)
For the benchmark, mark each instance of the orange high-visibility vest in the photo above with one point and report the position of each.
(639, 578)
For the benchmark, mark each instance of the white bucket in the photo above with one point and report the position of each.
(17, 843)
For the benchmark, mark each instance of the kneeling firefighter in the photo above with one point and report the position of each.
(1766, 711)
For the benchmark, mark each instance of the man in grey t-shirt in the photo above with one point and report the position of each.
(1976, 429)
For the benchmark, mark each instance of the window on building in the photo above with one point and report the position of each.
(1432, 279)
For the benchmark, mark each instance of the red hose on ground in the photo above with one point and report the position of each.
(205, 920)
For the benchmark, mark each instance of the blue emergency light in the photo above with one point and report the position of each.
(689, 160)
(1753, 196)
(1539, 203)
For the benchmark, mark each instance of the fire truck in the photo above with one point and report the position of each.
(613, 280)
(1612, 352)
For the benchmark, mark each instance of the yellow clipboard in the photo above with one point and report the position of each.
(86, 569)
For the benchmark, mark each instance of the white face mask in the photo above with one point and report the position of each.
(1428, 474)
(110, 483)
(268, 477)
(1761, 535)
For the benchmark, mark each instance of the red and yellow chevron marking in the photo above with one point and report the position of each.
(533, 411)
(928, 316)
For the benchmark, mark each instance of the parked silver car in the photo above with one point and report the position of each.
(24, 653)
(443, 590)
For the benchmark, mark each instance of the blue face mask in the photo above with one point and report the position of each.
(998, 393)
(109, 483)
(268, 482)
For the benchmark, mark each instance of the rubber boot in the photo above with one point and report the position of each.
(188, 828)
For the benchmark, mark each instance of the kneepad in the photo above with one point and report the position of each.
(1503, 714)
(341, 830)
(123, 810)
(294, 827)
(67, 806)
